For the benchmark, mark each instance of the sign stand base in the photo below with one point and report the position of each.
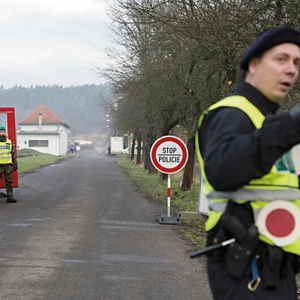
(168, 220)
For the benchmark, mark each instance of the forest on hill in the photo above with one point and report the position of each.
(81, 107)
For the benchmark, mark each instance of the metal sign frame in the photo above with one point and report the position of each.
(12, 135)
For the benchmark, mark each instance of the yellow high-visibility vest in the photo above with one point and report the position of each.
(6, 152)
(278, 184)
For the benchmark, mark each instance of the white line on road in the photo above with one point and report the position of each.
(126, 223)
(20, 224)
(134, 259)
(132, 228)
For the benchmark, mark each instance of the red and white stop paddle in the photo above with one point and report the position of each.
(280, 222)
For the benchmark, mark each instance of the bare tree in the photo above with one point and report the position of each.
(181, 56)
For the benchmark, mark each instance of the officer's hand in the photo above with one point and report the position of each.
(15, 166)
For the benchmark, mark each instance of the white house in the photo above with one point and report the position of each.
(44, 131)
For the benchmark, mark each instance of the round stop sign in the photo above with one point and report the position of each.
(280, 222)
(169, 154)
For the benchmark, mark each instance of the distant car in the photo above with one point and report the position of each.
(125, 151)
(77, 147)
(128, 150)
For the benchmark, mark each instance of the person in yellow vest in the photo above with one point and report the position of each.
(8, 163)
(246, 164)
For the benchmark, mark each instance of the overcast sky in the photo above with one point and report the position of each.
(45, 42)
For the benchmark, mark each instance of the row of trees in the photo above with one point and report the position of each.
(176, 57)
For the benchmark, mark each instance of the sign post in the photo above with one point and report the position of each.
(169, 155)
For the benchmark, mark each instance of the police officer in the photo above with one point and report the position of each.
(8, 163)
(243, 148)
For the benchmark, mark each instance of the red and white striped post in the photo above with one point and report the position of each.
(169, 195)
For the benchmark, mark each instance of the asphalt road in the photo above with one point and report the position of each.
(80, 230)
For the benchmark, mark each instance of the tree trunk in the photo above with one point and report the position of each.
(139, 150)
(163, 176)
(147, 162)
(132, 149)
(188, 174)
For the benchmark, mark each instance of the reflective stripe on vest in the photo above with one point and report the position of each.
(279, 184)
(255, 194)
(5, 152)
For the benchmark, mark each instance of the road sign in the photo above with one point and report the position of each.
(280, 222)
(169, 154)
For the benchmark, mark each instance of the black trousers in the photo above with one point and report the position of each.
(226, 287)
(7, 170)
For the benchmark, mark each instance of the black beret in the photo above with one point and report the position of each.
(269, 39)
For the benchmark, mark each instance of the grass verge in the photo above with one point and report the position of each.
(29, 161)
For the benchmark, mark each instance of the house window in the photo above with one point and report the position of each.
(38, 143)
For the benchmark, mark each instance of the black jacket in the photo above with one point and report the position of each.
(234, 151)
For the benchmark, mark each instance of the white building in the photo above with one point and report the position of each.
(44, 131)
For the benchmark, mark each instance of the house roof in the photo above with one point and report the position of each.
(48, 117)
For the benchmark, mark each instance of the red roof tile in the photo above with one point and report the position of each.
(48, 117)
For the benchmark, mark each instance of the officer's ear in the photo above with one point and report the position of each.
(253, 64)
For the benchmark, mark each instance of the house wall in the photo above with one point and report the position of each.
(53, 143)
(57, 136)
(63, 142)
(42, 128)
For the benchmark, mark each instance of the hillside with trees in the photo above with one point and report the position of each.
(81, 107)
